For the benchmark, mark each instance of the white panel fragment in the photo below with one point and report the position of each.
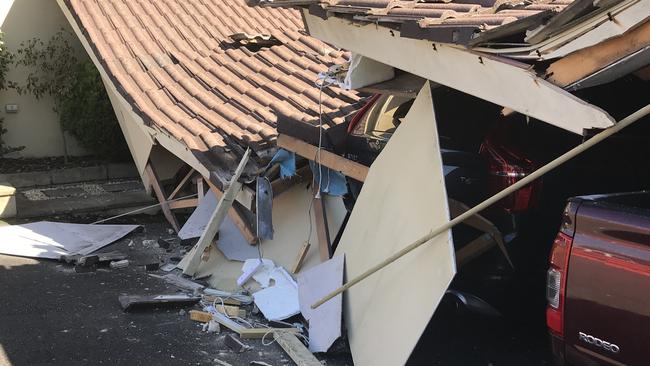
(324, 321)
(45, 239)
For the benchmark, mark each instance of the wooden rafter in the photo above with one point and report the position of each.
(348, 167)
(160, 195)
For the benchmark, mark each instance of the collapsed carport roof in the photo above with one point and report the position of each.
(214, 75)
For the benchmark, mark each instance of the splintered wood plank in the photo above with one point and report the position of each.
(322, 230)
(186, 203)
(160, 195)
(295, 349)
(582, 63)
(200, 316)
(181, 184)
(302, 253)
(225, 203)
(348, 167)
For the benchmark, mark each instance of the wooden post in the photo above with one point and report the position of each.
(160, 194)
(322, 230)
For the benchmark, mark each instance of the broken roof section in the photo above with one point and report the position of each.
(213, 74)
(443, 21)
(508, 26)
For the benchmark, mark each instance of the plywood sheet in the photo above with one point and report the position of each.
(403, 198)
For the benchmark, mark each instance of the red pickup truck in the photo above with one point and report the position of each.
(598, 283)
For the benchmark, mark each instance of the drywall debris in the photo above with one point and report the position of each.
(119, 264)
(45, 239)
(279, 301)
(324, 321)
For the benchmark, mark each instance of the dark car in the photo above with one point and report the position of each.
(477, 162)
(598, 283)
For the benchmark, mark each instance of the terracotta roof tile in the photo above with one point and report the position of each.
(175, 62)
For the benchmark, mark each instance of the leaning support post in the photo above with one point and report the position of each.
(217, 218)
(492, 200)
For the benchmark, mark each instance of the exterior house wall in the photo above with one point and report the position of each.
(35, 125)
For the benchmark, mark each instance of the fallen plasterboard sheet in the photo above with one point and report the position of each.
(231, 241)
(278, 302)
(278, 298)
(195, 224)
(402, 199)
(291, 229)
(45, 239)
(233, 244)
(324, 321)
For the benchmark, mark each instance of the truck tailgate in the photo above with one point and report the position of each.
(607, 312)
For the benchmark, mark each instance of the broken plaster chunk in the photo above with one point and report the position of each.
(235, 344)
(150, 243)
(119, 264)
(259, 363)
(212, 327)
(261, 274)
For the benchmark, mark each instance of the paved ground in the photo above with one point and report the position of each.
(81, 197)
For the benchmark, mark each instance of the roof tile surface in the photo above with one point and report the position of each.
(177, 64)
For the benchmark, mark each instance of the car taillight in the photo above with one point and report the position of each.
(507, 167)
(556, 282)
(362, 112)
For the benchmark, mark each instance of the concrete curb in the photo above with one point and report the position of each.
(71, 175)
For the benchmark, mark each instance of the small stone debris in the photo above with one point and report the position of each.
(235, 344)
(259, 363)
(164, 243)
(150, 243)
(152, 266)
(221, 363)
(119, 264)
(85, 269)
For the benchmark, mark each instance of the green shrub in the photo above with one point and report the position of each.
(88, 115)
(80, 98)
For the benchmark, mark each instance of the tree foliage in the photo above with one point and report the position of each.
(80, 98)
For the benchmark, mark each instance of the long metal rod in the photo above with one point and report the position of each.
(492, 200)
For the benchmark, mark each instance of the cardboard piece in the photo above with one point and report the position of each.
(402, 199)
(45, 239)
(325, 321)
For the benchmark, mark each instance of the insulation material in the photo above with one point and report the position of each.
(324, 321)
(391, 212)
(45, 239)
(291, 229)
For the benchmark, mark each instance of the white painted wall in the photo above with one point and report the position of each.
(35, 126)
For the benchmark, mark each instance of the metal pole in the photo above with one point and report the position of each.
(492, 200)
